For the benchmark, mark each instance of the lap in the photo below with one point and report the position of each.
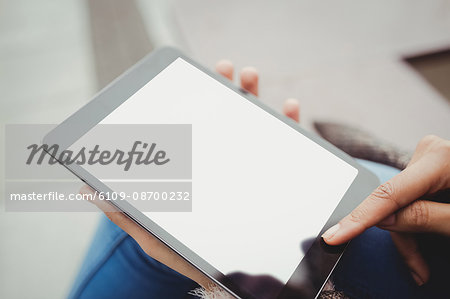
(116, 267)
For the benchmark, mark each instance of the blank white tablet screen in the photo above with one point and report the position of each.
(260, 188)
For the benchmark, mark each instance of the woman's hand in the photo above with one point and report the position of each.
(151, 245)
(400, 205)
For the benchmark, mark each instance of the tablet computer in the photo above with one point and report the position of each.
(223, 180)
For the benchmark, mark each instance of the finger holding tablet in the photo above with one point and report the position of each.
(288, 189)
(249, 78)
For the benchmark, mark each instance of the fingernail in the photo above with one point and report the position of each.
(388, 221)
(417, 278)
(328, 235)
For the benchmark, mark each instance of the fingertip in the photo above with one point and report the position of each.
(419, 270)
(291, 109)
(89, 195)
(85, 189)
(249, 79)
(225, 68)
(249, 74)
(408, 248)
(343, 232)
(419, 281)
(329, 234)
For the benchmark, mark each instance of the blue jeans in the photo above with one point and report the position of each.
(116, 267)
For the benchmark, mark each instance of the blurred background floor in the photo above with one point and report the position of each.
(345, 61)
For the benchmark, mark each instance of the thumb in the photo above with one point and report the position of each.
(420, 216)
(408, 248)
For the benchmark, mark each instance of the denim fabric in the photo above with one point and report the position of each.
(116, 267)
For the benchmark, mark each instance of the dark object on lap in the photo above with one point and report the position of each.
(362, 145)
